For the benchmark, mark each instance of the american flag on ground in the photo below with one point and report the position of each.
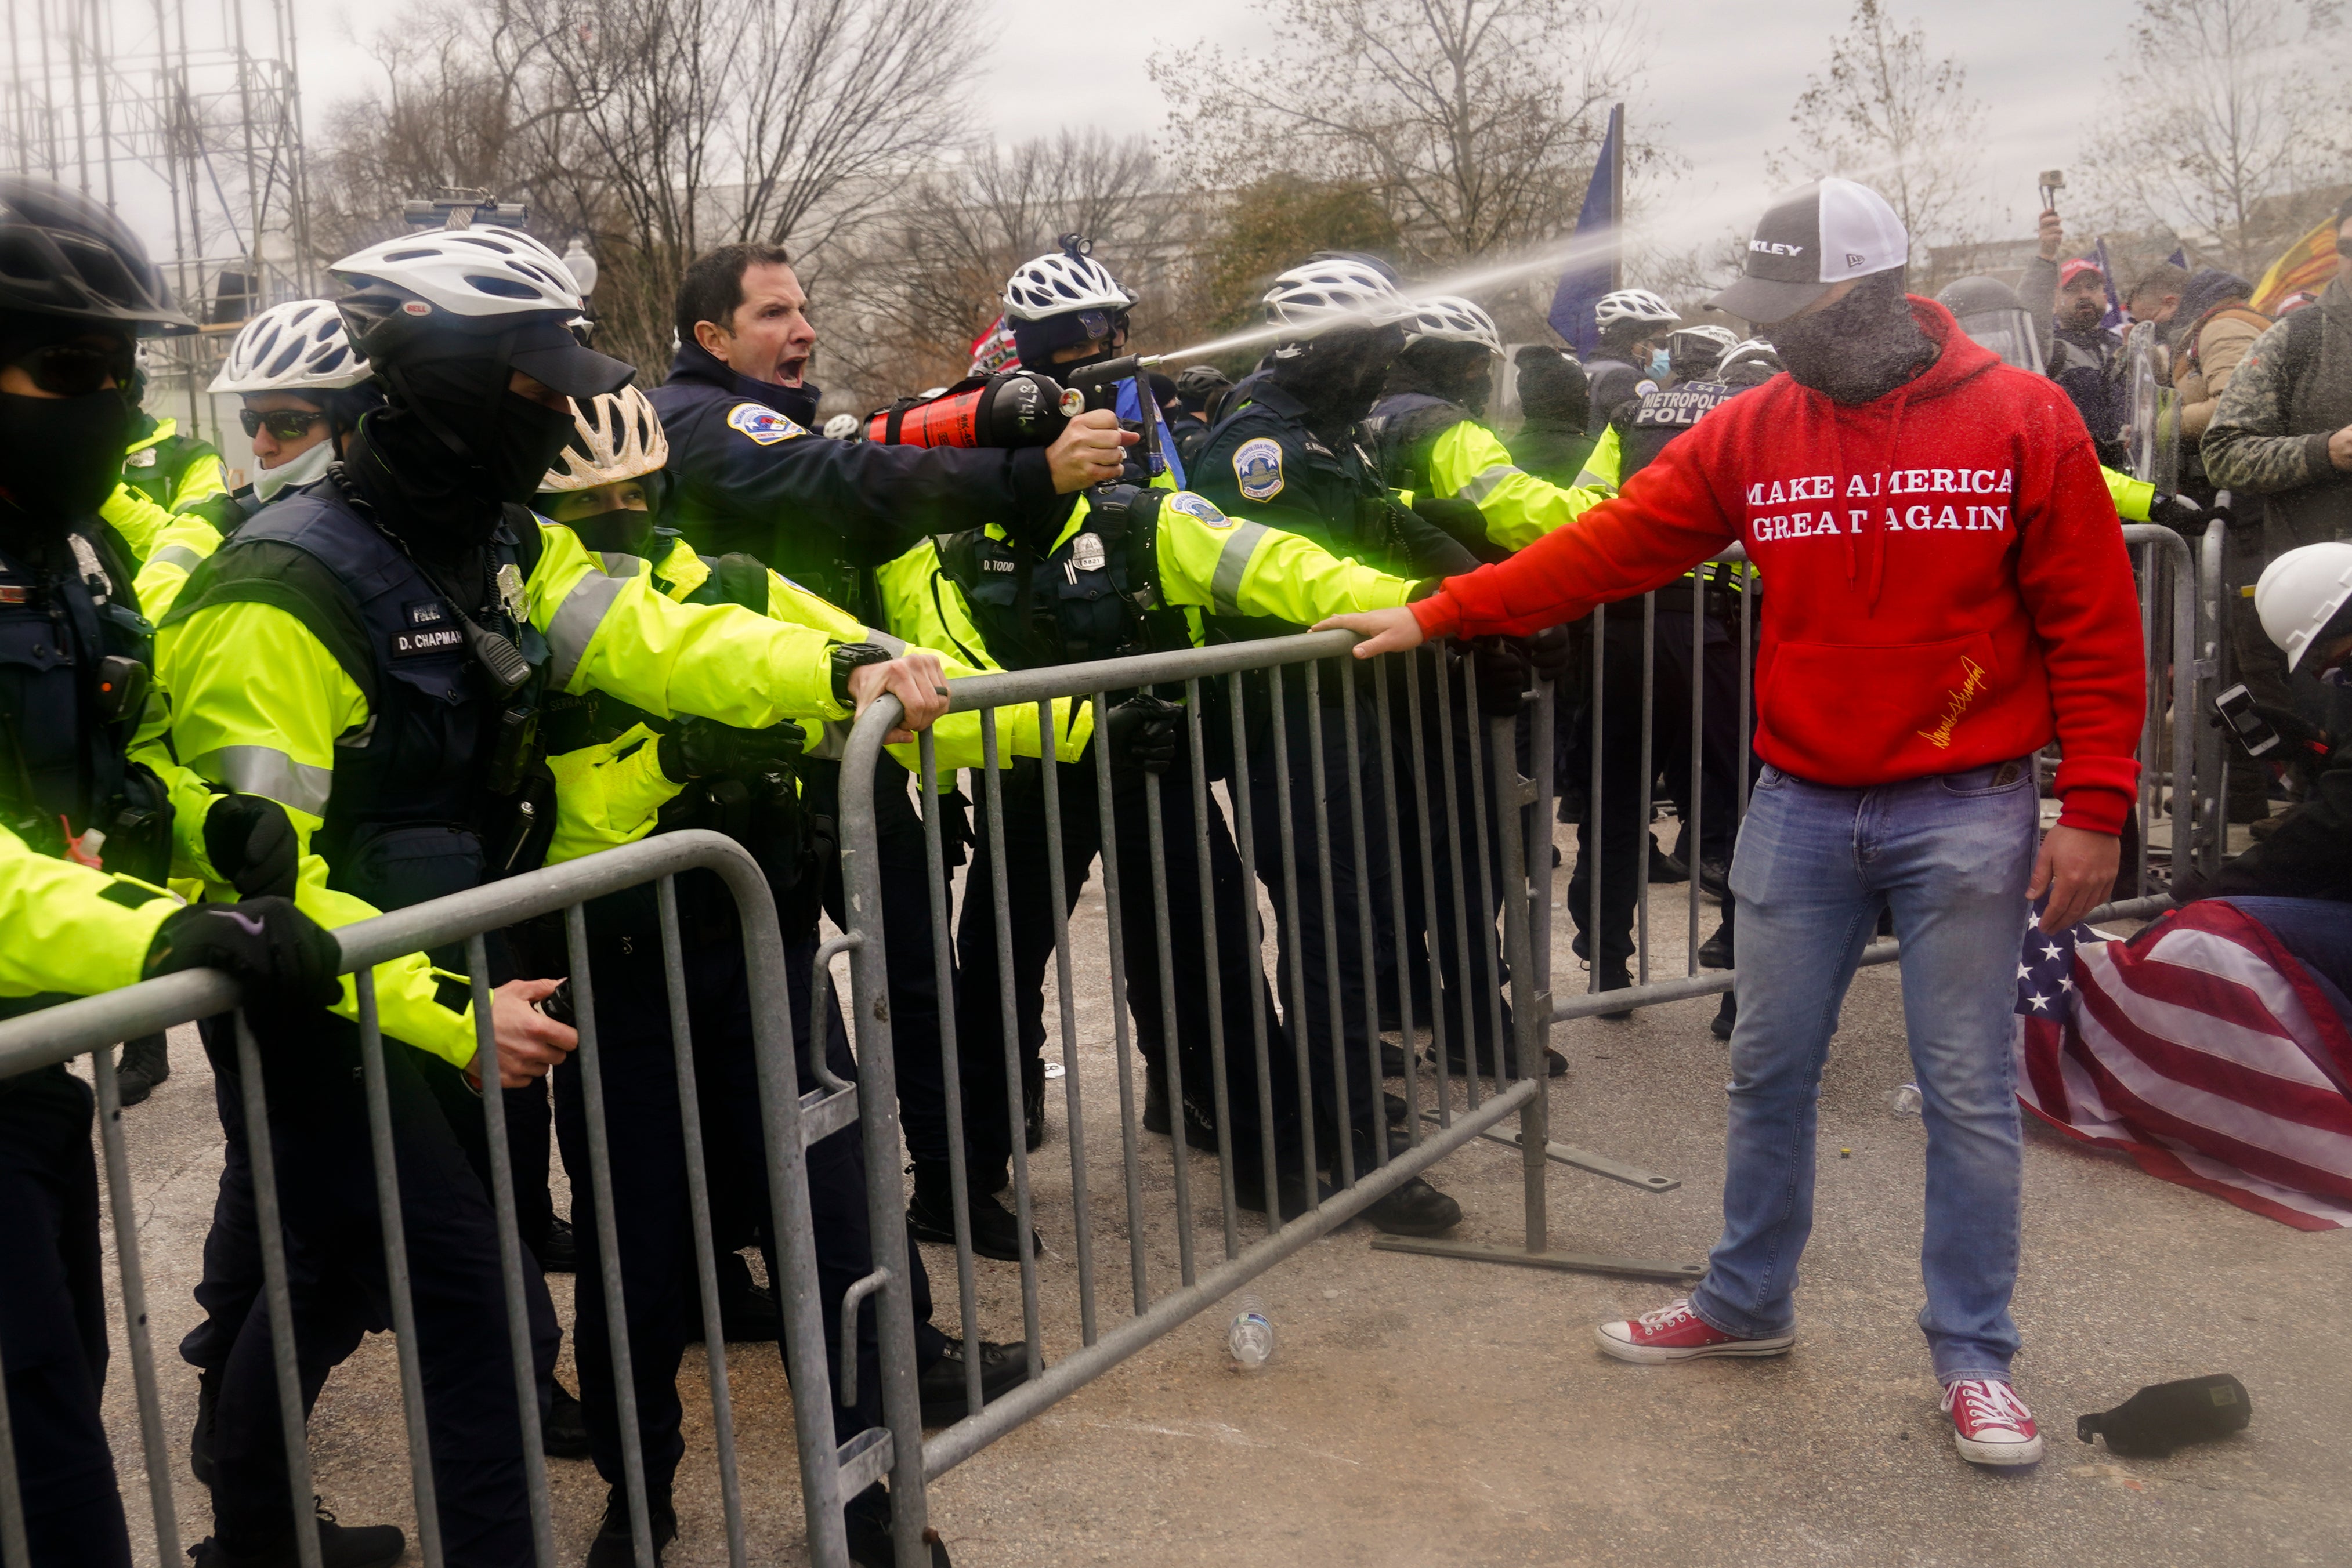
(2200, 1048)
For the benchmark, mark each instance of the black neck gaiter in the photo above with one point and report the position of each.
(59, 459)
(1860, 349)
(1339, 375)
(450, 448)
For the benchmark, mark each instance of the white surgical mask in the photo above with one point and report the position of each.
(307, 469)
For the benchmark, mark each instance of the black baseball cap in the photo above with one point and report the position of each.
(1808, 242)
(548, 351)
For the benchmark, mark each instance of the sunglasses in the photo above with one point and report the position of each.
(78, 370)
(283, 424)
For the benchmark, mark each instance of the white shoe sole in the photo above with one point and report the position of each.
(2025, 1453)
(1653, 1355)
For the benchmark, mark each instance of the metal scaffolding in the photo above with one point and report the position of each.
(185, 116)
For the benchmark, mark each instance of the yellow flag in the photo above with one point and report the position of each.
(2308, 264)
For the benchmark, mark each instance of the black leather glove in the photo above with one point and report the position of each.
(2178, 512)
(1502, 674)
(1458, 519)
(1143, 732)
(1553, 388)
(700, 748)
(286, 961)
(1551, 652)
(2297, 733)
(252, 844)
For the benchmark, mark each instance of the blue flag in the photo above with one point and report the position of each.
(2114, 318)
(1581, 286)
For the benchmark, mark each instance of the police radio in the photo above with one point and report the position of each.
(1011, 408)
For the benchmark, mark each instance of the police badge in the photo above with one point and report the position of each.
(1258, 469)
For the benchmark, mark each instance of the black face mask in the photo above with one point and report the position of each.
(621, 529)
(451, 448)
(59, 458)
(1860, 349)
(1340, 374)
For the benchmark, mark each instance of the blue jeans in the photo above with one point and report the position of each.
(1950, 856)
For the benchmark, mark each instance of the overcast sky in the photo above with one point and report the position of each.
(1720, 78)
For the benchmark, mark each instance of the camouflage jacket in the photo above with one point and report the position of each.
(2269, 436)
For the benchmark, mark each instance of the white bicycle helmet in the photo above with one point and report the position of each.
(294, 347)
(1634, 305)
(492, 283)
(1750, 351)
(1450, 318)
(474, 273)
(1060, 282)
(615, 437)
(1334, 292)
(1723, 338)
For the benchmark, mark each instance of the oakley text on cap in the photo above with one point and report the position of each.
(1811, 240)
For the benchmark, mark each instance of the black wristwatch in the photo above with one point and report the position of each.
(850, 656)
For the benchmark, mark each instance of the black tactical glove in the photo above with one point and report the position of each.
(253, 845)
(702, 747)
(1458, 519)
(1502, 674)
(286, 961)
(1143, 733)
(1550, 652)
(1553, 388)
(2177, 512)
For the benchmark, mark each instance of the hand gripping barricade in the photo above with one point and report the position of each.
(792, 1121)
(1484, 801)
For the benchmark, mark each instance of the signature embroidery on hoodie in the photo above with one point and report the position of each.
(1962, 697)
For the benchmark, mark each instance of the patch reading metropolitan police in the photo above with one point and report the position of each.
(1201, 506)
(764, 425)
(1258, 469)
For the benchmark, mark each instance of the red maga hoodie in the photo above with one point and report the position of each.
(1945, 583)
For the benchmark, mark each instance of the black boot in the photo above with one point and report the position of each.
(1249, 1189)
(563, 1431)
(560, 1253)
(946, 1401)
(1714, 952)
(1157, 1117)
(747, 1310)
(1726, 1016)
(613, 1546)
(200, 1441)
(1416, 1208)
(361, 1546)
(144, 1064)
(866, 1518)
(931, 1214)
(1617, 978)
(1032, 1103)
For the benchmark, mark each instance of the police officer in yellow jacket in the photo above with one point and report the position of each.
(371, 654)
(622, 773)
(1433, 447)
(85, 826)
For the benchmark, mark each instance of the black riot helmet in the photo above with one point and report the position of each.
(64, 257)
(1989, 312)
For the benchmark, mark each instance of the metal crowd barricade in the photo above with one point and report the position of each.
(1491, 820)
(1475, 817)
(93, 1025)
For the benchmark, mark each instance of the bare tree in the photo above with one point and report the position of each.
(923, 280)
(660, 127)
(2228, 122)
(1472, 122)
(1895, 116)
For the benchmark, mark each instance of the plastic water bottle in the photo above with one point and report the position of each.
(1904, 1100)
(1251, 1339)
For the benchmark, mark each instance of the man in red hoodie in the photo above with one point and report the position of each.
(1950, 593)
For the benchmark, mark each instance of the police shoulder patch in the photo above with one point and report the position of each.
(1199, 507)
(763, 424)
(1258, 469)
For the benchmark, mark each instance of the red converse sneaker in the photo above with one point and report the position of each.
(1675, 1332)
(1991, 1424)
